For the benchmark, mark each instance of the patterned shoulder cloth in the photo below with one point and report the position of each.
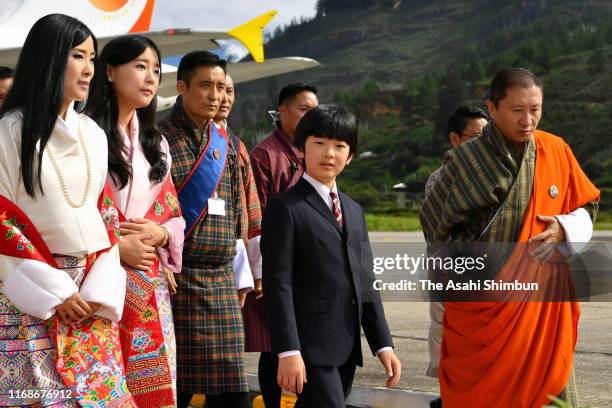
(89, 359)
(142, 341)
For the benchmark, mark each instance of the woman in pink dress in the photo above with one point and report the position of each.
(123, 103)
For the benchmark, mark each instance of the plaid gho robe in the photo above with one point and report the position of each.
(277, 166)
(207, 318)
(492, 353)
(251, 210)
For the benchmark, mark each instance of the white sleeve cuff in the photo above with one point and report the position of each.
(242, 270)
(383, 349)
(254, 256)
(36, 288)
(289, 353)
(578, 228)
(105, 284)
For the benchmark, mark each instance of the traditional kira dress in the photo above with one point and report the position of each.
(147, 329)
(62, 243)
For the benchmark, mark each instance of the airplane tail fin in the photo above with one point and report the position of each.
(251, 34)
(144, 21)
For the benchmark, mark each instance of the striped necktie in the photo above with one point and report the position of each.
(336, 207)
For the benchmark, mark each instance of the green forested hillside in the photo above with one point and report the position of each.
(404, 66)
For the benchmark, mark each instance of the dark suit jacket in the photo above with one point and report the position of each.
(314, 276)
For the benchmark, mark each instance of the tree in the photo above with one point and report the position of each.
(597, 61)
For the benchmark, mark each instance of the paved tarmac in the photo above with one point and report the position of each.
(409, 323)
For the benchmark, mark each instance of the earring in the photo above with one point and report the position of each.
(110, 79)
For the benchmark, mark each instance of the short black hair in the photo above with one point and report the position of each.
(328, 121)
(6, 72)
(509, 78)
(290, 90)
(195, 59)
(461, 117)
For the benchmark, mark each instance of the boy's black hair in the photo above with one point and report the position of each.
(195, 59)
(328, 121)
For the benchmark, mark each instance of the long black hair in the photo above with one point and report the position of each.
(38, 87)
(102, 107)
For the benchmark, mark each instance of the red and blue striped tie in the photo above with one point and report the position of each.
(336, 209)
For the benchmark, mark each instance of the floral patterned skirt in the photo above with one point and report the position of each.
(164, 308)
(29, 357)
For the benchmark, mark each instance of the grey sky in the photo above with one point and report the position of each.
(226, 14)
(205, 14)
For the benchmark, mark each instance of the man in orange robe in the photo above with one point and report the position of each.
(515, 184)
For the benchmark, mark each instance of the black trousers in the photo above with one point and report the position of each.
(226, 400)
(327, 387)
(267, 372)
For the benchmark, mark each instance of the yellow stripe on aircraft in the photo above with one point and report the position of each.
(251, 34)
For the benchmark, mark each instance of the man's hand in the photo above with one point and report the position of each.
(73, 309)
(392, 365)
(552, 235)
(170, 279)
(135, 253)
(258, 289)
(242, 293)
(291, 374)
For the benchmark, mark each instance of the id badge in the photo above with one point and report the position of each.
(216, 206)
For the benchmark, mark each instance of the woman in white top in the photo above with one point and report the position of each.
(63, 287)
(123, 104)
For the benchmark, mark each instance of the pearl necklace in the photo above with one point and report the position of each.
(60, 176)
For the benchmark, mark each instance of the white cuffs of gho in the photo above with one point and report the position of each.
(242, 270)
(578, 229)
(36, 288)
(105, 284)
(255, 256)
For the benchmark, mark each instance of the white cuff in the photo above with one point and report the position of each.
(254, 256)
(578, 228)
(105, 284)
(242, 270)
(36, 288)
(383, 349)
(289, 353)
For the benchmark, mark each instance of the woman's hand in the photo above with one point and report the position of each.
(135, 252)
(73, 309)
(143, 226)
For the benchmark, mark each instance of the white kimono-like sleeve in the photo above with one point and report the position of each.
(578, 228)
(242, 270)
(34, 287)
(255, 256)
(105, 284)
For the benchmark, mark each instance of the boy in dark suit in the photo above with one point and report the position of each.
(315, 253)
